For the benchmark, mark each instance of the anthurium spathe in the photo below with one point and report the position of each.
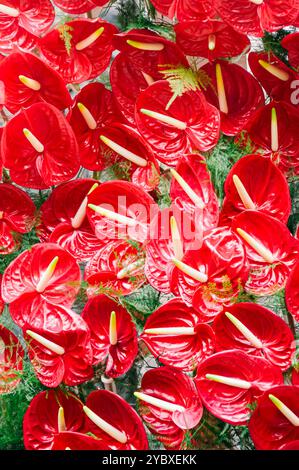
(59, 347)
(113, 335)
(174, 335)
(186, 9)
(270, 248)
(11, 360)
(230, 382)
(292, 292)
(173, 128)
(17, 216)
(80, 49)
(39, 147)
(49, 413)
(255, 183)
(76, 7)
(44, 273)
(28, 80)
(290, 43)
(275, 421)
(69, 440)
(257, 331)
(169, 405)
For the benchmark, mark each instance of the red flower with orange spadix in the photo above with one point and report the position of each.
(39, 147)
(76, 7)
(94, 107)
(28, 80)
(229, 382)
(212, 39)
(17, 216)
(235, 92)
(254, 16)
(11, 360)
(290, 43)
(275, 421)
(270, 248)
(116, 269)
(43, 274)
(112, 420)
(51, 412)
(143, 57)
(292, 292)
(59, 347)
(209, 278)
(266, 190)
(63, 219)
(80, 49)
(113, 335)
(169, 405)
(186, 9)
(257, 331)
(176, 127)
(175, 336)
(119, 209)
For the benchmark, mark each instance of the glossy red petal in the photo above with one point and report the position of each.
(11, 360)
(76, 7)
(278, 344)
(21, 39)
(186, 9)
(183, 352)
(119, 357)
(267, 278)
(265, 184)
(290, 43)
(40, 423)
(293, 445)
(269, 428)
(202, 122)
(116, 411)
(229, 403)
(292, 292)
(76, 441)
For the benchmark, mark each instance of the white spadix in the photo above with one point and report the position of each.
(87, 116)
(6, 10)
(257, 246)
(257, 2)
(186, 269)
(112, 431)
(80, 215)
(232, 382)
(80, 46)
(122, 219)
(221, 90)
(123, 152)
(244, 196)
(47, 274)
(149, 80)
(197, 201)
(55, 348)
(274, 131)
(274, 70)
(245, 331)
(146, 46)
(165, 119)
(36, 144)
(61, 420)
(30, 83)
(130, 269)
(162, 404)
(176, 239)
(211, 42)
(171, 331)
(113, 329)
(285, 410)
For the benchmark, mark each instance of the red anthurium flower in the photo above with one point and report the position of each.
(292, 292)
(17, 214)
(291, 44)
(44, 273)
(143, 57)
(76, 7)
(254, 182)
(275, 421)
(113, 335)
(94, 107)
(174, 335)
(11, 360)
(119, 209)
(186, 9)
(172, 232)
(49, 413)
(80, 49)
(230, 381)
(270, 248)
(176, 127)
(39, 147)
(211, 277)
(28, 80)
(257, 331)
(69, 440)
(59, 346)
(63, 219)
(254, 16)
(235, 92)
(169, 405)
(116, 269)
(111, 419)
(276, 78)
(212, 39)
